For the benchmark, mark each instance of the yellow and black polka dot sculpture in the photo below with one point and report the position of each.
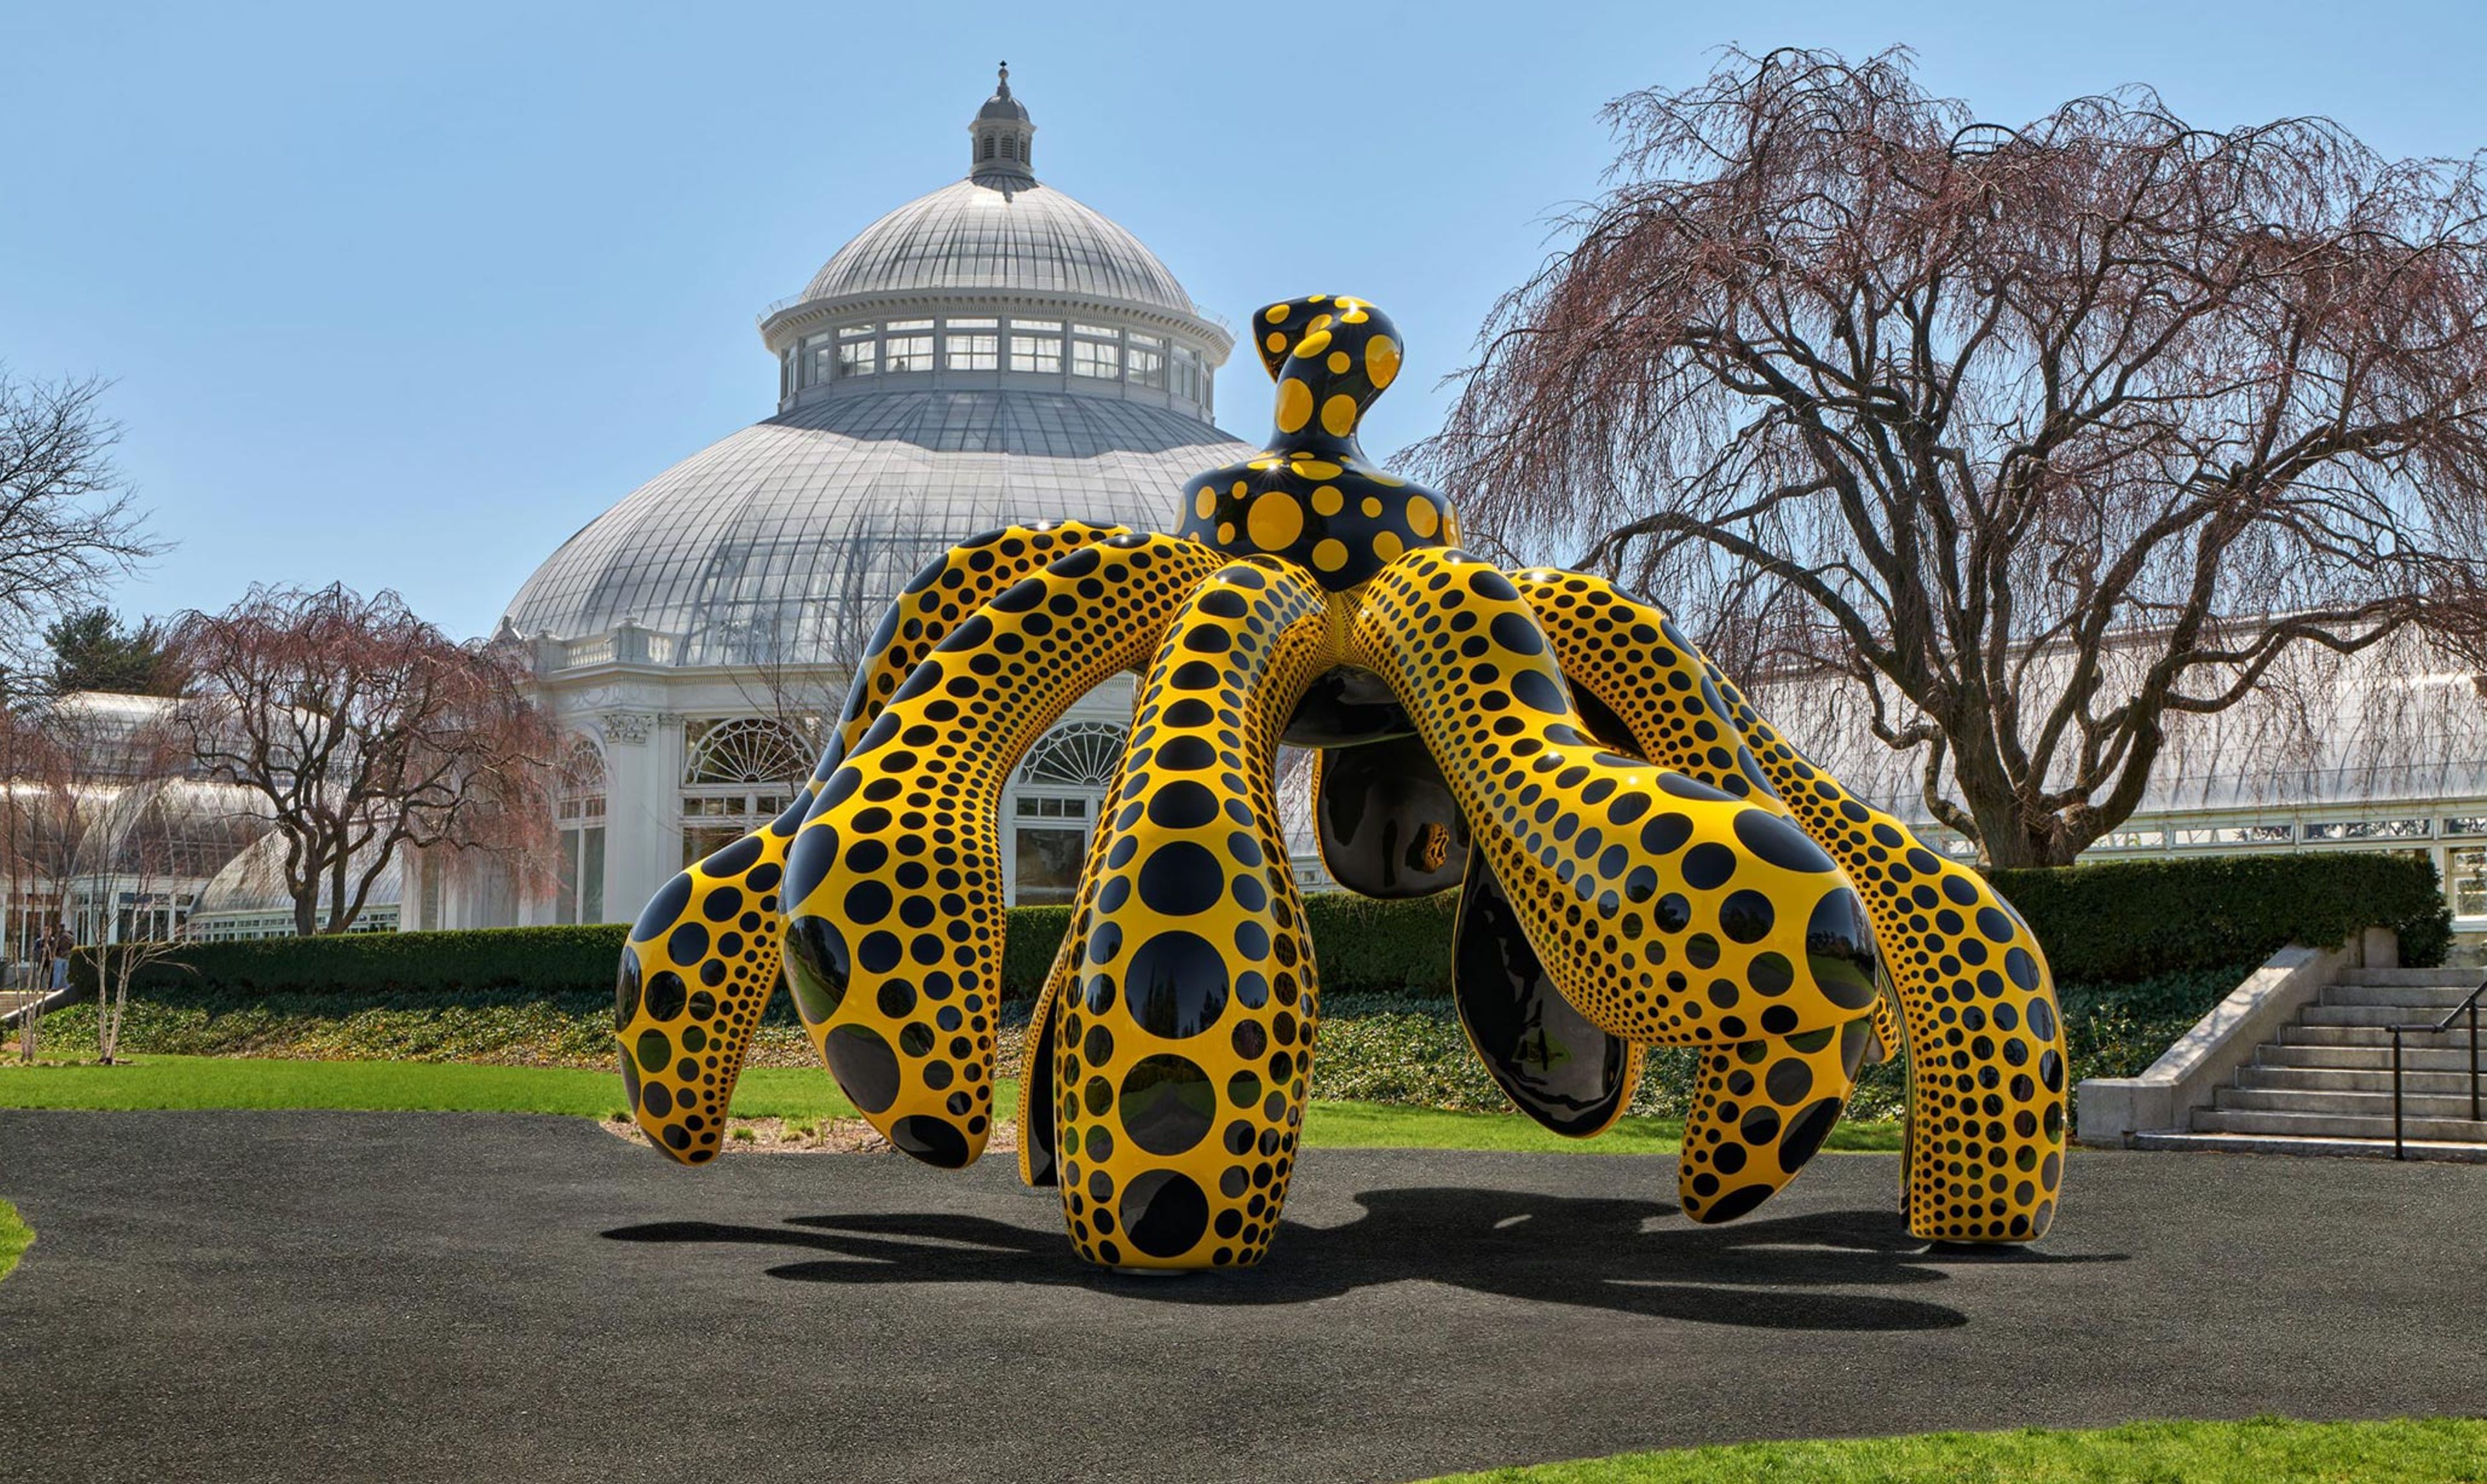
(1642, 862)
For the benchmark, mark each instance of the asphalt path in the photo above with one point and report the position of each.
(444, 1296)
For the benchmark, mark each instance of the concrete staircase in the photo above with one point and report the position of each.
(2325, 1086)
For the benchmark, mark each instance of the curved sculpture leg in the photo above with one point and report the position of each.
(1760, 1112)
(692, 985)
(1039, 1157)
(1640, 887)
(1182, 1062)
(1986, 1049)
(698, 971)
(935, 601)
(894, 883)
(1385, 821)
(1547, 1057)
(1986, 1122)
(1983, 1037)
(1615, 653)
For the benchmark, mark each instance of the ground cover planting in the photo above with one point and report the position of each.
(2264, 1451)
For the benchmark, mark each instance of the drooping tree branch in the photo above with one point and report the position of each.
(2055, 433)
(366, 730)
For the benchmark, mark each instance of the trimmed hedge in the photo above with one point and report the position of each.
(2118, 922)
(1365, 947)
(2127, 921)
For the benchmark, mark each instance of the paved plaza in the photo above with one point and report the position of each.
(413, 1295)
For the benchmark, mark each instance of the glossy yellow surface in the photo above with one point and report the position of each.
(1680, 874)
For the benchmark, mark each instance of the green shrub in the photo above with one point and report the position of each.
(2118, 922)
(544, 961)
(2129, 921)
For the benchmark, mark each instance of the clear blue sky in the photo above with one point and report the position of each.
(406, 295)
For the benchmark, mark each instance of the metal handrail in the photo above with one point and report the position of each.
(2468, 1007)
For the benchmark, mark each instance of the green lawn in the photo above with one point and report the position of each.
(15, 1236)
(787, 1092)
(1388, 1126)
(248, 1081)
(2264, 1451)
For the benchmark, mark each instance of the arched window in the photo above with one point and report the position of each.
(578, 808)
(739, 773)
(745, 750)
(1081, 756)
(989, 147)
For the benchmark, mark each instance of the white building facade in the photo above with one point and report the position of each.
(989, 353)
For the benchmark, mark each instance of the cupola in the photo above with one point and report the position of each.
(1001, 138)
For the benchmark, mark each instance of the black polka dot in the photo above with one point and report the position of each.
(1181, 804)
(1663, 834)
(1707, 865)
(935, 1141)
(663, 909)
(1806, 1132)
(1515, 633)
(1537, 690)
(1746, 916)
(686, 943)
(668, 994)
(733, 861)
(1176, 984)
(880, 953)
(1788, 1080)
(1186, 755)
(1165, 1213)
(1180, 879)
(1782, 845)
(1684, 787)
(626, 990)
(816, 967)
(1839, 950)
(1167, 1105)
(866, 1069)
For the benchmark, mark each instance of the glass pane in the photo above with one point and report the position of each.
(972, 352)
(591, 876)
(1036, 353)
(2466, 881)
(566, 898)
(699, 843)
(1048, 865)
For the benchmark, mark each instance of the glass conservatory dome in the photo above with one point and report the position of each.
(992, 352)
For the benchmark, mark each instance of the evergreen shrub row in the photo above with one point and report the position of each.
(2123, 922)
(2118, 922)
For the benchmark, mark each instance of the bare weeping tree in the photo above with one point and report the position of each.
(365, 729)
(2043, 437)
(67, 521)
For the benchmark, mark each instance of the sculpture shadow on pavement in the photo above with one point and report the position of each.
(1803, 1271)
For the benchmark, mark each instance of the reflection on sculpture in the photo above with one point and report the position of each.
(1643, 860)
